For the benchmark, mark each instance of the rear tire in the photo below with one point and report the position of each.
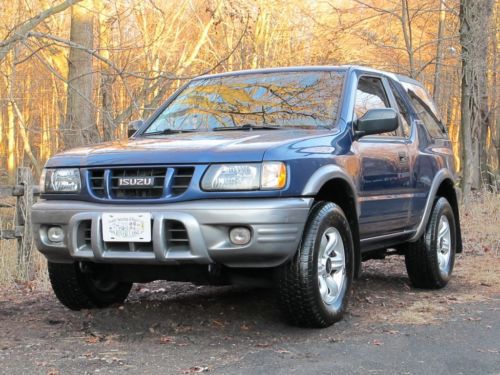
(314, 287)
(429, 261)
(78, 290)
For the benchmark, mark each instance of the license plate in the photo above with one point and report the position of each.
(126, 227)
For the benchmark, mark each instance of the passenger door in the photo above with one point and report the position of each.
(385, 181)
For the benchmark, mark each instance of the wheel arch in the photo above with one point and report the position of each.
(442, 186)
(339, 189)
(447, 190)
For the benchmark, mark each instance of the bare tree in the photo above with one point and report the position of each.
(436, 90)
(474, 18)
(79, 127)
(20, 32)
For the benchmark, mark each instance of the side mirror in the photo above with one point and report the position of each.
(133, 126)
(377, 121)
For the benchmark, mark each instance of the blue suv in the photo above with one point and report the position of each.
(289, 177)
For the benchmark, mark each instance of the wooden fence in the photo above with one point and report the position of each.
(25, 192)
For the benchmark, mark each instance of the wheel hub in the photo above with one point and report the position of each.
(328, 265)
(331, 266)
(444, 245)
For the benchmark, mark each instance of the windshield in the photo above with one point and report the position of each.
(285, 99)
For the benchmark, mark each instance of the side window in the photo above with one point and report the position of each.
(403, 110)
(370, 94)
(425, 110)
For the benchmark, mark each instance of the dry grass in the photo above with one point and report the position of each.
(420, 312)
(10, 273)
(480, 262)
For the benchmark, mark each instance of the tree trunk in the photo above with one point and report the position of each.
(495, 102)
(79, 127)
(408, 36)
(11, 119)
(106, 77)
(474, 19)
(20, 32)
(436, 92)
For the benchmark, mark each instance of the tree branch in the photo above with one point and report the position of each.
(22, 30)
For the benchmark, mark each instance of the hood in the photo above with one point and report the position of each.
(184, 148)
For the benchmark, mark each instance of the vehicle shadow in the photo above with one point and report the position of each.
(169, 309)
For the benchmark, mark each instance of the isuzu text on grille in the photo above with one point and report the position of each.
(136, 181)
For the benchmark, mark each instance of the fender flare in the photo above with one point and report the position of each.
(441, 175)
(325, 174)
(314, 185)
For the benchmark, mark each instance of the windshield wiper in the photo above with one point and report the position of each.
(169, 131)
(247, 127)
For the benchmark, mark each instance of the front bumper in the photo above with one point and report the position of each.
(276, 225)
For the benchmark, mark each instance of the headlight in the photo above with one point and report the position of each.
(249, 176)
(273, 175)
(61, 180)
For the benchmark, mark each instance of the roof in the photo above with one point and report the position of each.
(406, 79)
(313, 68)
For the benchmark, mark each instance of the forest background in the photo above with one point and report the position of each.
(78, 71)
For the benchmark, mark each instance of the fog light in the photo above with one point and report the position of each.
(55, 234)
(240, 235)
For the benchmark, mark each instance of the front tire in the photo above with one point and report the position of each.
(429, 261)
(78, 290)
(313, 288)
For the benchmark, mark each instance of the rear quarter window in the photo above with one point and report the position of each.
(426, 110)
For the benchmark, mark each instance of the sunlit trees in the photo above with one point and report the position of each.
(133, 54)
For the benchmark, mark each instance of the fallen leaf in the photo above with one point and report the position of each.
(167, 340)
(195, 369)
(472, 319)
(283, 351)
(263, 345)
(92, 339)
(391, 332)
(377, 342)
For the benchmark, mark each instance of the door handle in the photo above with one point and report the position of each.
(403, 157)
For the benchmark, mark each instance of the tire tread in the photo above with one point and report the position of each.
(296, 291)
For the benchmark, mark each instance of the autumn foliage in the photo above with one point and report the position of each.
(79, 73)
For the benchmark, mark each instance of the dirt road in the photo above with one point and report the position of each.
(173, 328)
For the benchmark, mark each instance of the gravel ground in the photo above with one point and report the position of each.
(180, 328)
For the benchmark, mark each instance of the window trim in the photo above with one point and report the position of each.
(408, 108)
(441, 126)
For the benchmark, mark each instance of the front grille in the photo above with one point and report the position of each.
(182, 178)
(97, 182)
(167, 182)
(176, 234)
(129, 246)
(176, 239)
(138, 192)
(86, 232)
